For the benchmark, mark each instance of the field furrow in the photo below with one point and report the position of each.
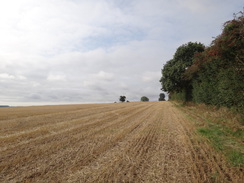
(57, 127)
(54, 145)
(127, 142)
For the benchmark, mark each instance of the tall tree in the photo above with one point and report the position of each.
(173, 72)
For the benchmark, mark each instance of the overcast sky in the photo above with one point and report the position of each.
(93, 51)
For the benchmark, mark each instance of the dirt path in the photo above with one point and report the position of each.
(130, 142)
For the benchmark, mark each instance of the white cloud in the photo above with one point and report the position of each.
(21, 77)
(151, 76)
(6, 76)
(35, 84)
(81, 51)
(124, 86)
(101, 75)
(56, 77)
(98, 80)
(89, 83)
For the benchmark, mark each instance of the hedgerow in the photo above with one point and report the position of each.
(216, 75)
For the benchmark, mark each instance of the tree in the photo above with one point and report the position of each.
(144, 99)
(217, 73)
(122, 98)
(172, 74)
(161, 97)
(212, 75)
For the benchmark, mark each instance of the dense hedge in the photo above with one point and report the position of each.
(216, 76)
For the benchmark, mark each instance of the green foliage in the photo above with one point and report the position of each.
(144, 99)
(214, 76)
(161, 97)
(221, 127)
(172, 74)
(214, 134)
(179, 96)
(168, 76)
(217, 74)
(223, 141)
(122, 98)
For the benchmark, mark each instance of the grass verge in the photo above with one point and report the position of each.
(222, 128)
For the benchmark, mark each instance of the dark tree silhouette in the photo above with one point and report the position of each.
(144, 99)
(122, 98)
(161, 97)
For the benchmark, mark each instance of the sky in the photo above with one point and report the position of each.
(94, 51)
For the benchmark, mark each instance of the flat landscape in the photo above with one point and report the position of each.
(121, 142)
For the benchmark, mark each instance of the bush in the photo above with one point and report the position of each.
(144, 99)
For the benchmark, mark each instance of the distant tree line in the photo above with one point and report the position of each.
(143, 98)
(4, 105)
(212, 75)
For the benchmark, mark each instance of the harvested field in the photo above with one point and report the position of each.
(124, 142)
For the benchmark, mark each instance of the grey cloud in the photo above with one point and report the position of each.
(35, 96)
(94, 51)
